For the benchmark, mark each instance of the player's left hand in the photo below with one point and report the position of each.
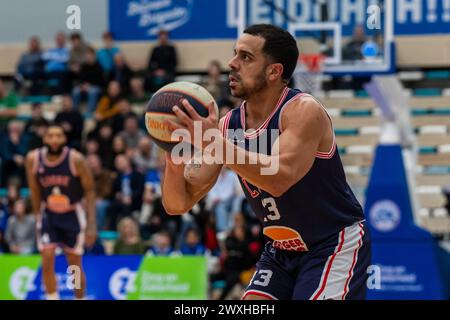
(90, 236)
(187, 123)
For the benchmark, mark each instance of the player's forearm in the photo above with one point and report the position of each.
(175, 196)
(90, 208)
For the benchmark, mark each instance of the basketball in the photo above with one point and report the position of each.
(160, 107)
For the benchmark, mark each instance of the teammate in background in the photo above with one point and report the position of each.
(319, 244)
(59, 178)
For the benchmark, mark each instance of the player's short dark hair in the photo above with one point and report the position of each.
(280, 46)
(56, 125)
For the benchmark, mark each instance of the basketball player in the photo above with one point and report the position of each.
(58, 178)
(319, 244)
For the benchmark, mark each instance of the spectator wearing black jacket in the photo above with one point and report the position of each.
(162, 63)
(128, 188)
(121, 73)
(90, 82)
(72, 122)
(35, 127)
(31, 67)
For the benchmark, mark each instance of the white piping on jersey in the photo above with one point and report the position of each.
(259, 130)
(319, 154)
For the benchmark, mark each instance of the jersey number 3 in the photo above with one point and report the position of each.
(271, 205)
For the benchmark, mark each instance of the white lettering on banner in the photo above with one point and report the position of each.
(232, 14)
(21, 282)
(160, 14)
(446, 9)
(121, 283)
(412, 6)
(300, 10)
(279, 17)
(259, 12)
(353, 7)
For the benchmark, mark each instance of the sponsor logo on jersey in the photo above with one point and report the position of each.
(285, 238)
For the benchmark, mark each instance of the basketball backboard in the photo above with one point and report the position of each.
(356, 36)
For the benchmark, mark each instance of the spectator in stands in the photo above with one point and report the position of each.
(105, 55)
(220, 199)
(104, 139)
(162, 63)
(121, 73)
(103, 188)
(77, 53)
(138, 94)
(192, 245)
(31, 67)
(3, 223)
(108, 106)
(8, 105)
(35, 127)
(214, 83)
(72, 122)
(14, 147)
(128, 188)
(131, 132)
(236, 260)
(90, 82)
(119, 146)
(129, 241)
(119, 119)
(56, 64)
(145, 159)
(20, 232)
(162, 245)
(352, 50)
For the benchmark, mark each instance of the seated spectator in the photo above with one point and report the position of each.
(221, 199)
(128, 188)
(72, 122)
(8, 105)
(90, 82)
(129, 241)
(161, 245)
(138, 94)
(119, 146)
(121, 73)
(35, 127)
(77, 54)
(192, 245)
(102, 136)
(352, 50)
(214, 83)
(131, 132)
(3, 223)
(97, 249)
(145, 157)
(14, 148)
(118, 120)
(236, 260)
(56, 64)
(103, 188)
(30, 68)
(162, 63)
(20, 232)
(108, 105)
(105, 55)
(91, 146)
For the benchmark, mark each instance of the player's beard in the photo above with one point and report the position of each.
(260, 84)
(54, 152)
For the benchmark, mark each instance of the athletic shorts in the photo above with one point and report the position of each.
(333, 270)
(62, 229)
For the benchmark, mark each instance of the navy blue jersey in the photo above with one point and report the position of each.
(315, 208)
(59, 183)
